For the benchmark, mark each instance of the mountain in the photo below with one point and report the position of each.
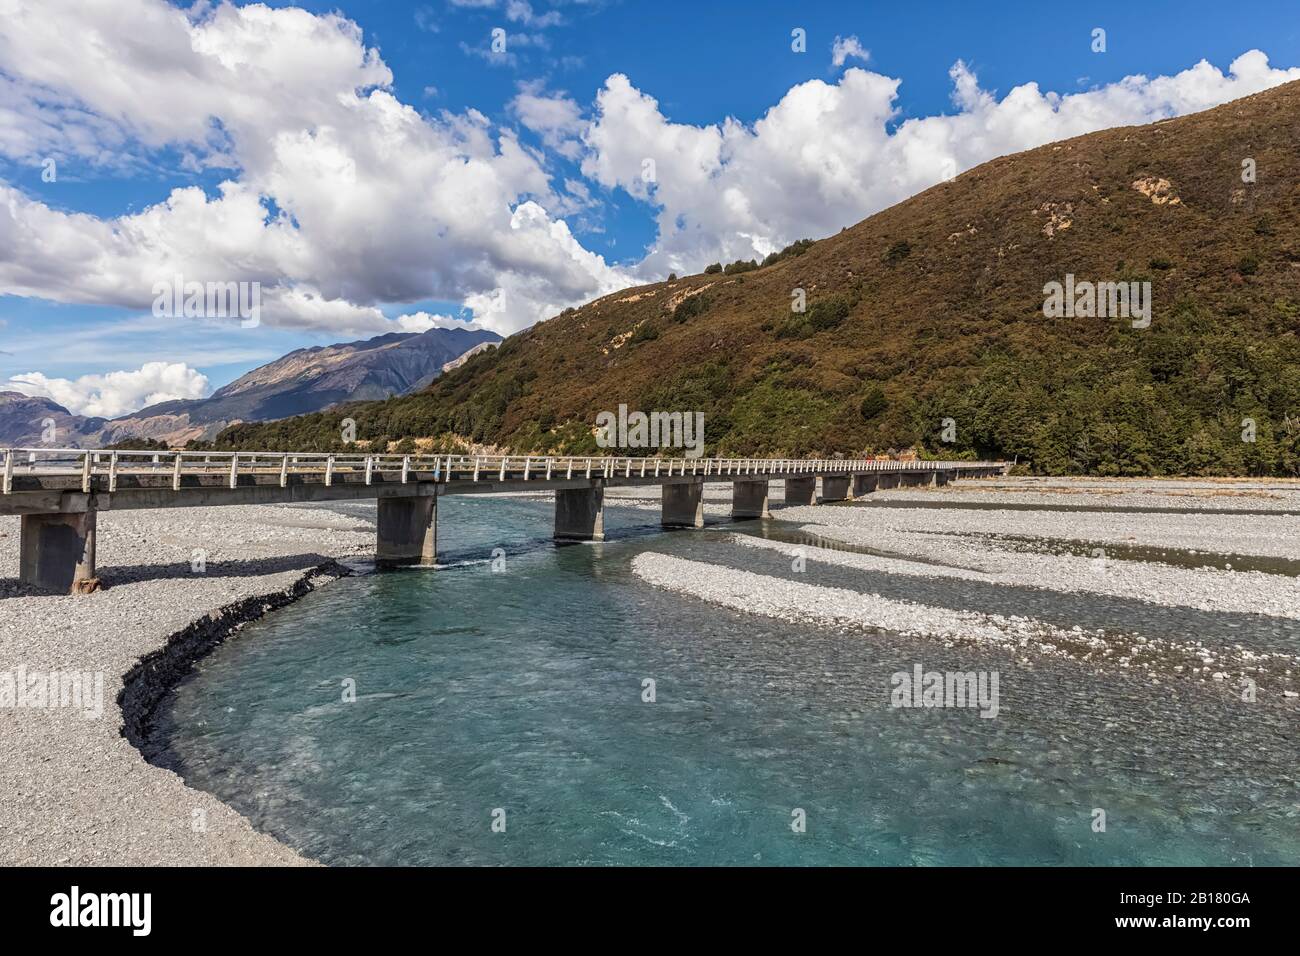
(27, 422)
(306, 380)
(927, 325)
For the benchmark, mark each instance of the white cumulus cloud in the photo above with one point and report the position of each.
(844, 47)
(826, 155)
(373, 202)
(115, 393)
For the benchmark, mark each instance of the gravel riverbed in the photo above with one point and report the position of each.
(73, 790)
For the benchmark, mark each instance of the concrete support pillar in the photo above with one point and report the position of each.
(800, 491)
(408, 530)
(580, 514)
(57, 552)
(864, 484)
(684, 505)
(835, 488)
(749, 499)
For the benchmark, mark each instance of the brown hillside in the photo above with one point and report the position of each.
(933, 309)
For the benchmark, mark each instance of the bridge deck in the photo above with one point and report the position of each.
(59, 492)
(36, 480)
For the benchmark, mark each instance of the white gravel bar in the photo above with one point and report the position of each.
(1205, 589)
(73, 790)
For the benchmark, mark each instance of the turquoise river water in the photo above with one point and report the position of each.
(521, 691)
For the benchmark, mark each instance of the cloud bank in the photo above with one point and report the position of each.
(343, 201)
(116, 393)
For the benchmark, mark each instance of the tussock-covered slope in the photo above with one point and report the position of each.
(933, 310)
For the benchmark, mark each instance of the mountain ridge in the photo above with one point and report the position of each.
(304, 380)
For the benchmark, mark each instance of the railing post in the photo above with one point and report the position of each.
(112, 472)
(588, 467)
(234, 469)
(569, 473)
(9, 471)
(504, 461)
(528, 463)
(176, 473)
(284, 471)
(329, 470)
(476, 464)
(370, 463)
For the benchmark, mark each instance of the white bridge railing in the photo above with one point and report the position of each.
(90, 464)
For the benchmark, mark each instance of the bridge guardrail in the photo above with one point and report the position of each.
(92, 463)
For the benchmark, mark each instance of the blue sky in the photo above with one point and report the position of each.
(701, 62)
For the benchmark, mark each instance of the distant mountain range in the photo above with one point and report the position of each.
(305, 380)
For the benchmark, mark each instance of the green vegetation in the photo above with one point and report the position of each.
(873, 403)
(899, 251)
(137, 444)
(796, 248)
(646, 333)
(689, 308)
(822, 316)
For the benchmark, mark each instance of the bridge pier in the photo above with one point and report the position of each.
(57, 552)
(580, 514)
(800, 491)
(749, 499)
(864, 484)
(408, 530)
(683, 505)
(835, 487)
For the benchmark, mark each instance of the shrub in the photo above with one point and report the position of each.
(873, 403)
(740, 265)
(828, 313)
(713, 269)
(796, 248)
(898, 251)
(690, 307)
(644, 333)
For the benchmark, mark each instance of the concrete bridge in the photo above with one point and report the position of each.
(60, 492)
